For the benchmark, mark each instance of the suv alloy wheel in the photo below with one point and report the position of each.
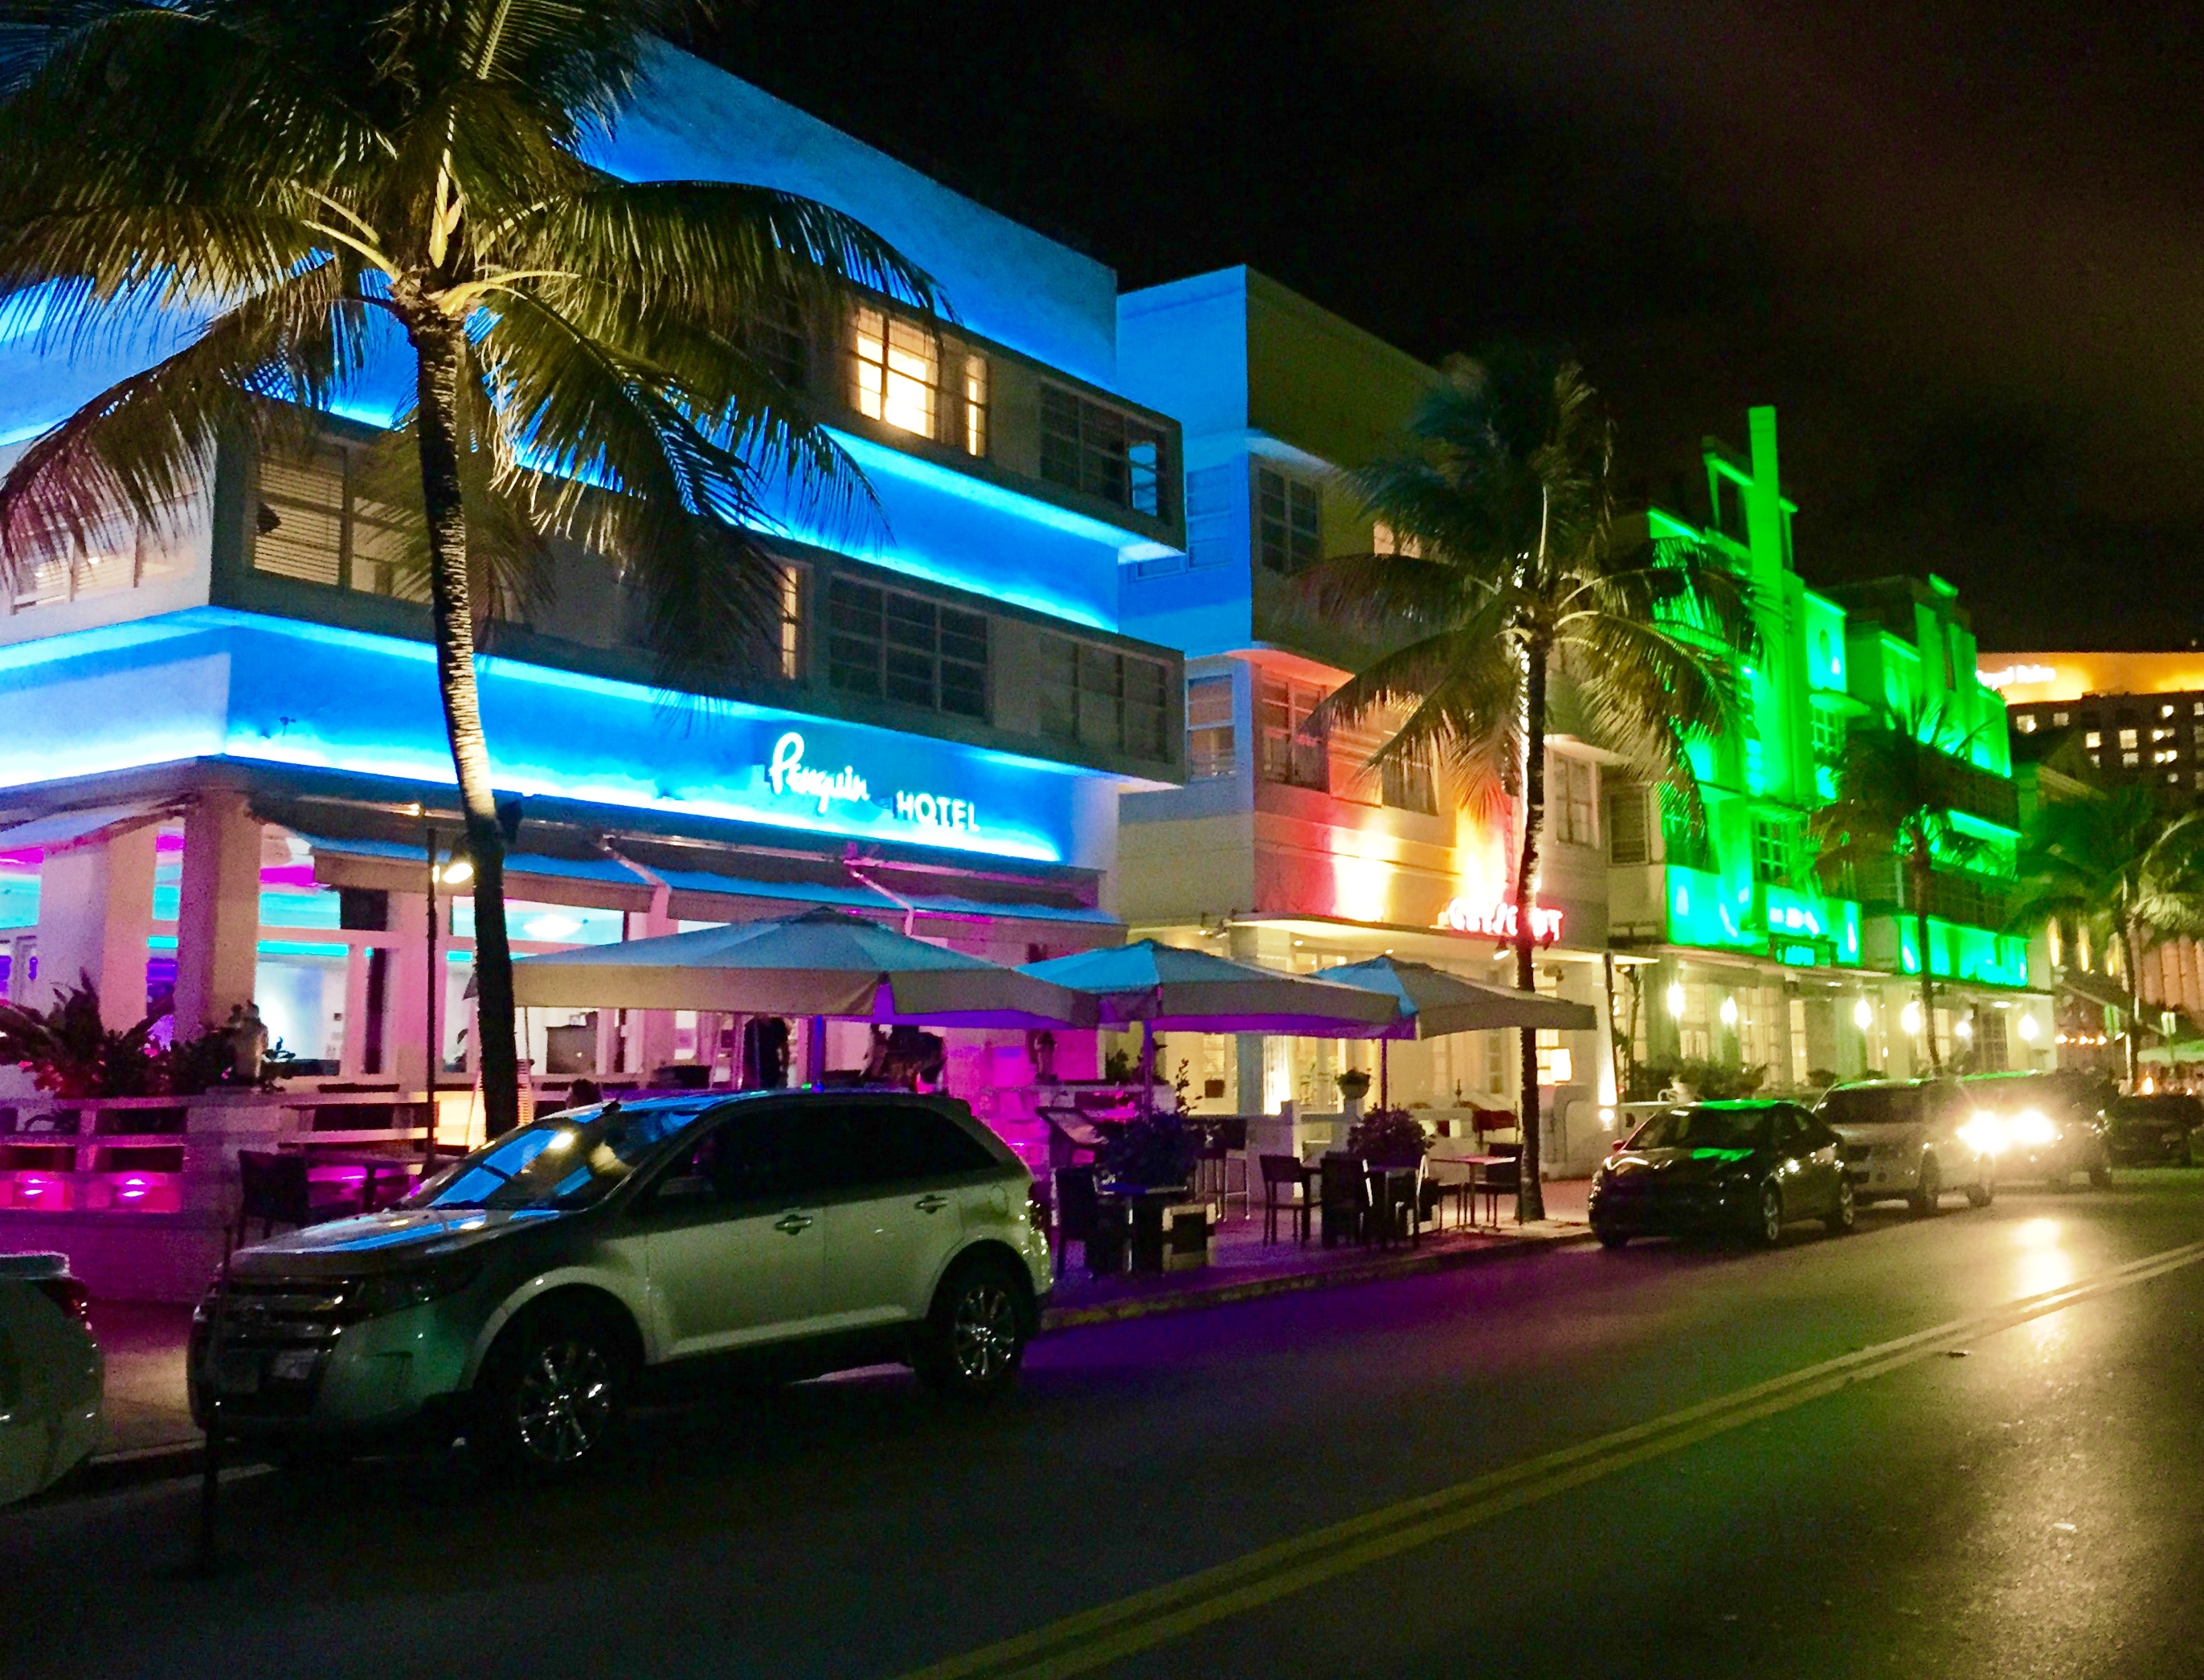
(1927, 1188)
(1846, 1216)
(975, 1335)
(553, 1391)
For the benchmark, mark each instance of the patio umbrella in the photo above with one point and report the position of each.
(825, 962)
(1170, 987)
(1431, 1004)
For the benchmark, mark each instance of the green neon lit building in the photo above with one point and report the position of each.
(1730, 950)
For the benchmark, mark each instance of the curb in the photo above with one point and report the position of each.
(1292, 1283)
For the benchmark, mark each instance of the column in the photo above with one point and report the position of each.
(218, 917)
(95, 912)
(652, 1045)
(404, 1041)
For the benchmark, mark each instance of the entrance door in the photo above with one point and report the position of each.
(735, 1238)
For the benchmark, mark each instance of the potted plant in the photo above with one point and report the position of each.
(1388, 1138)
(1354, 1085)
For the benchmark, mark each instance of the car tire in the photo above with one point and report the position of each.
(552, 1393)
(1847, 1216)
(1924, 1198)
(1768, 1227)
(976, 1332)
(2189, 1149)
(2100, 1170)
(1981, 1193)
(1610, 1238)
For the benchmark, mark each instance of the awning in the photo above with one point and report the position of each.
(66, 828)
(697, 895)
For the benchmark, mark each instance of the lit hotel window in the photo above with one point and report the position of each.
(2130, 760)
(2093, 739)
(1212, 746)
(2025, 723)
(2058, 719)
(2127, 737)
(895, 370)
(2166, 711)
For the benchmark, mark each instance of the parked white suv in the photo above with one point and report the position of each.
(523, 1293)
(1910, 1140)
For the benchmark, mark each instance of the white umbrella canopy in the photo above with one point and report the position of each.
(825, 962)
(1432, 1002)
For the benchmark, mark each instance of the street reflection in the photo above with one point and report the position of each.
(2045, 1264)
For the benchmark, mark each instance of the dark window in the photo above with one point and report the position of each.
(1407, 785)
(1289, 522)
(892, 1143)
(1100, 697)
(769, 1156)
(1629, 829)
(1771, 850)
(776, 336)
(1103, 451)
(888, 645)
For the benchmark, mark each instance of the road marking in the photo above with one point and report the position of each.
(1093, 1638)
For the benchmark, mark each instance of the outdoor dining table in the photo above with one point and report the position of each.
(1467, 1190)
(1145, 1204)
(373, 1168)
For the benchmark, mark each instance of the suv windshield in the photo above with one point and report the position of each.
(1703, 1128)
(566, 1160)
(1872, 1105)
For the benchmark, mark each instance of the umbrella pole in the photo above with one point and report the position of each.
(1384, 1069)
(814, 1052)
(1148, 1068)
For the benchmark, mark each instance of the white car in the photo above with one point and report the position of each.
(521, 1295)
(51, 1374)
(1911, 1141)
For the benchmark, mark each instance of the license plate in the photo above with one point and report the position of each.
(237, 1373)
(292, 1365)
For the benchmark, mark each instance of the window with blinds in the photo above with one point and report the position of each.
(1408, 784)
(908, 374)
(312, 523)
(886, 645)
(1569, 795)
(1293, 753)
(1629, 824)
(1211, 742)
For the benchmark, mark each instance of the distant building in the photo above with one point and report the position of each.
(2139, 716)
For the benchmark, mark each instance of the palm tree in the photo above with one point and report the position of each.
(2121, 865)
(317, 185)
(1509, 571)
(1895, 788)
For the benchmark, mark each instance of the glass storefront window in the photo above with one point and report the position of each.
(300, 991)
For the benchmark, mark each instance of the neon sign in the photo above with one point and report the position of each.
(2013, 674)
(788, 773)
(1498, 919)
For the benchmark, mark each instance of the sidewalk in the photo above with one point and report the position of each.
(1244, 1268)
(150, 1429)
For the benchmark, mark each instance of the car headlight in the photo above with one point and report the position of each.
(2031, 1128)
(414, 1286)
(1984, 1135)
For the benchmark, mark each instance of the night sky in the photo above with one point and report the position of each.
(1959, 246)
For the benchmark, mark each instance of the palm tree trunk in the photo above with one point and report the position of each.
(1921, 866)
(436, 345)
(1529, 1192)
(2131, 969)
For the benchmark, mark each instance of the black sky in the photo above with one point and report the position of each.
(1959, 245)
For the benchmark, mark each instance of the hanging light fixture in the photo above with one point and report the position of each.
(1864, 1014)
(1910, 1017)
(1676, 999)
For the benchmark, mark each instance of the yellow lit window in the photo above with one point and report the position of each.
(976, 404)
(895, 372)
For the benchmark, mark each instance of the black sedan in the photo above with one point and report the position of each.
(2169, 1126)
(1722, 1167)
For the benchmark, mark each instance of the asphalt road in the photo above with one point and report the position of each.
(1848, 1456)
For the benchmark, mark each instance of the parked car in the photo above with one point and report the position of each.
(2047, 1126)
(1911, 1141)
(520, 1296)
(1745, 1166)
(2168, 1127)
(51, 1374)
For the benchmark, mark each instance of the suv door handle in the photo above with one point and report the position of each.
(792, 1222)
(931, 1202)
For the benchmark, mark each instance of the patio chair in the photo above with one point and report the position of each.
(1496, 1179)
(278, 1192)
(1284, 1181)
(1395, 1201)
(1082, 1217)
(1343, 1191)
(1224, 1141)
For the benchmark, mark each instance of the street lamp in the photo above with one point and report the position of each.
(1864, 1014)
(1729, 1012)
(2028, 1029)
(1676, 999)
(1910, 1018)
